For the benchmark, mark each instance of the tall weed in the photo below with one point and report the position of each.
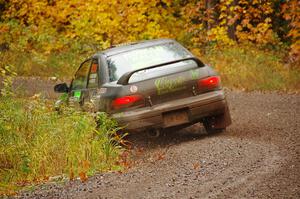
(247, 67)
(37, 142)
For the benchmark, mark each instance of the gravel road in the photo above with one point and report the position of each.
(257, 157)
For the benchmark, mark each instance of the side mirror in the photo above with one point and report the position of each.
(61, 88)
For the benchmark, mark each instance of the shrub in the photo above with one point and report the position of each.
(247, 67)
(37, 142)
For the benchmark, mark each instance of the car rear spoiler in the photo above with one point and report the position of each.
(124, 79)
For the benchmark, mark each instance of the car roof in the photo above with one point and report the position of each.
(135, 45)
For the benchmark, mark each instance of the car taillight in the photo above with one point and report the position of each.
(126, 101)
(210, 82)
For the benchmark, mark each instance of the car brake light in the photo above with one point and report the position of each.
(125, 101)
(210, 82)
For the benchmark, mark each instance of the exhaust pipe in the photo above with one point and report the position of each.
(154, 133)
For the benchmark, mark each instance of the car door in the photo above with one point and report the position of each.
(91, 101)
(78, 89)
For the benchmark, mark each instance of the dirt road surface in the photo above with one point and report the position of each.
(257, 157)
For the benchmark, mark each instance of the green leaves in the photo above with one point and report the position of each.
(7, 73)
(94, 20)
(45, 30)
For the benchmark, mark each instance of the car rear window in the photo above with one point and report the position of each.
(143, 57)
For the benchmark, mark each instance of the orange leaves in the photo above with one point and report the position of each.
(125, 160)
(105, 22)
(4, 29)
(83, 177)
(256, 22)
(230, 19)
(54, 24)
(233, 20)
(294, 33)
(160, 156)
(196, 165)
(290, 11)
(83, 169)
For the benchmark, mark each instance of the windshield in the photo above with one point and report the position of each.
(121, 63)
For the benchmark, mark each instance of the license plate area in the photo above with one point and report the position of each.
(174, 118)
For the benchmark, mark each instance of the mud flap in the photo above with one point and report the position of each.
(223, 120)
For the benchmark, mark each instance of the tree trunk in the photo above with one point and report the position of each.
(211, 20)
(232, 26)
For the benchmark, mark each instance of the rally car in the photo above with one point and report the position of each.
(150, 85)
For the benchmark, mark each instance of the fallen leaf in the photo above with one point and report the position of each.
(196, 165)
(83, 176)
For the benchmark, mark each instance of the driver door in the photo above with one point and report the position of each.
(78, 90)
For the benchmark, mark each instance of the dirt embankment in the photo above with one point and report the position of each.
(29, 86)
(257, 157)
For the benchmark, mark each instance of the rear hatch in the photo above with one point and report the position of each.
(162, 84)
(169, 86)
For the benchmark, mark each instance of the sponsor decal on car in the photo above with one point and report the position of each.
(195, 74)
(77, 94)
(133, 89)
(165, 85)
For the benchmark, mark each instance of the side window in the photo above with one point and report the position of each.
(80, 79)
(93, 76)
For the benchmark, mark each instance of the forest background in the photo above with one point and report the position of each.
(253, 44)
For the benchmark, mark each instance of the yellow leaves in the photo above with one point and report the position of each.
(268, 20)
(239, 28)
(251, 18)
(4, 28)
(219, 34)
(97, 19)
(196, 52)
(106, 22)
(262, 33)
(294, 33)
(228, 2)
(222, 16)
(256, 22)
(223, 8)
(290, 11)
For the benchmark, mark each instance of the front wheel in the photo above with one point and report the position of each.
(209, 125)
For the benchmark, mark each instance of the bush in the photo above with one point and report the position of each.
(247, 67)
(35, 63)
(37, 142)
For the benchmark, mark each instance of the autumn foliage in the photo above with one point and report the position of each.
(45, 29)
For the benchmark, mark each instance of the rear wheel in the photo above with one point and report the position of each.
(209, 125)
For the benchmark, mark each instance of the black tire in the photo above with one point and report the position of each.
(208, 124)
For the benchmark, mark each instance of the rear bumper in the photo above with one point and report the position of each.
(197, 107)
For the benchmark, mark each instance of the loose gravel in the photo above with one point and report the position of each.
(257, 157)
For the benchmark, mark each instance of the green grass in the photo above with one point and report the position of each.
(37, 143)
(241, 66)
(35, 63)
(249, 68)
